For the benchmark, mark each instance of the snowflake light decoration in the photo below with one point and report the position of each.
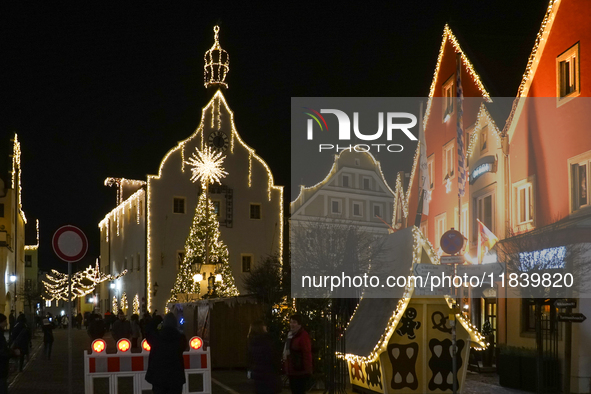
(207, 166)
(448, 186)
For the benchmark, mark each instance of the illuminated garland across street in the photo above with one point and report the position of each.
(83, 283)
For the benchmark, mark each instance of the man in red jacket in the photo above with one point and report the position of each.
(298, 356)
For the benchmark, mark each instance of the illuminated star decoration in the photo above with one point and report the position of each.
(207, 166)
(448, 186)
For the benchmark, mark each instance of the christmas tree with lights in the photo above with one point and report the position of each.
(204, 244)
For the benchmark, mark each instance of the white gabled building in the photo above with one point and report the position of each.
(146, 232)
(354, 190)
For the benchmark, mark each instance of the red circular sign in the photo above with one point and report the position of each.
(69, 243)
(452, 241)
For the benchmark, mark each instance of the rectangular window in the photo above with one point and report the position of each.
(548, 312)
(138, 262)
(255, 211)
(366, 183)
(217, 207)
(1, 210)
(28, 284)
(431, 170)
(246, 262)
(440, 228)
(580, 167)
(141, 208)
(449, 96)
(524, 204)
(357, 209)
(376, 211)
(448, 160)
(178, 205)
(484, 139)
(346, 181)
(567, 73)
(28, 260)
(335, 207)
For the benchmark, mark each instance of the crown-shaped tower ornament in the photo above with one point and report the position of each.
(217, 63)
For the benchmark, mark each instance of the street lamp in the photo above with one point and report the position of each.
(13, 280)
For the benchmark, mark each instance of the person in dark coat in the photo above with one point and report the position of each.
(47, 338)
(5, 354)
(264, 360)
(78, 320)
(21, 339)
(96, 327)
(166, 367)
(11, 322)
(121, 327)
(297, 355)
(144, 321)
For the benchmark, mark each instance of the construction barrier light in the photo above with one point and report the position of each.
(145, 345)
(98, 345)
(196, 343)
(123, 345)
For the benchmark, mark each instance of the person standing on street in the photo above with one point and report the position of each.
(264, 360)
(79, 320)
(65, 321)
(21, 339)
(166, 368)
(297, 356)
(47, 338)
(121, 327)
(11, 322)
(96, 327)
(135, 330)
(5, 354)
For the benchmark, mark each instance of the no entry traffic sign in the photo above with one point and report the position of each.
(69, 243)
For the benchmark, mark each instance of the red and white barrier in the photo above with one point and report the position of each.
(124, 372)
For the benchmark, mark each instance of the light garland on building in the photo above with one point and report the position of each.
(119, 182)
(36, 246)
(331, 173)
(134, 200)
(83, 283)
(114, 307)
(420, 244)
(16, 180)
(449, 36)
(271, 187)
(541, 39)
(483, 119)
(532, 65)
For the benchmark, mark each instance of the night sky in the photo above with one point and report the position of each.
(101, 90)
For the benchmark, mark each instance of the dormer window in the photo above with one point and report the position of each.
(448, 94)
(567, 74)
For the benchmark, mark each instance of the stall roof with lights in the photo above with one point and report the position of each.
(375, 319)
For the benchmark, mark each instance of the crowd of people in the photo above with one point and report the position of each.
(267, 361)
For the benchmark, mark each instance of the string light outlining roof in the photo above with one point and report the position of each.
(217, 63)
